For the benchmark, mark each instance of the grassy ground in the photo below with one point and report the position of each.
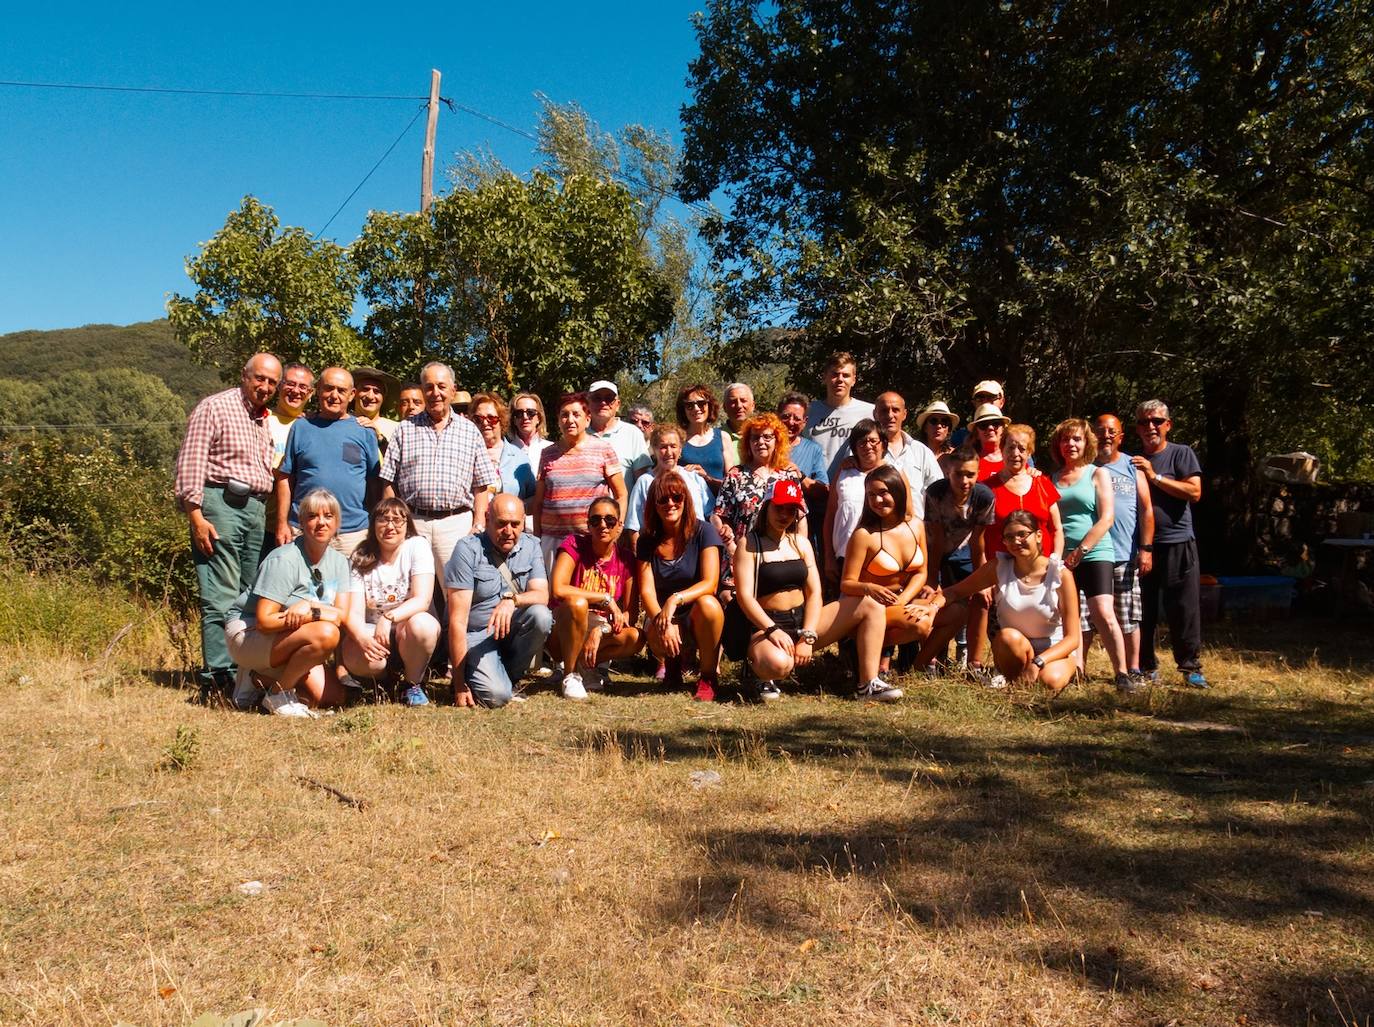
(962, 857)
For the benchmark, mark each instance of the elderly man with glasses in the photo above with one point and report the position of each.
(1174, 476)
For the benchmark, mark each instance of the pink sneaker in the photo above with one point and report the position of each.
(706, 690)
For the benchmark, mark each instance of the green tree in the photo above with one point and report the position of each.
(539, 283)
(86, 409)
(1091, 202)
(263, 287)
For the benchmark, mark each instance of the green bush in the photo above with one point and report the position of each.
(94, 508)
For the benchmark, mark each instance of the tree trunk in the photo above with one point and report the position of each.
(1225, 518)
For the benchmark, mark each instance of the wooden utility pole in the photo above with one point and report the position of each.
(427, 179)
(427, 162)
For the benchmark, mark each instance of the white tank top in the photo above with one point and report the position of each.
(1032, 610)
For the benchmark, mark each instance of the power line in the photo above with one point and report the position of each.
(423, 107)
(455, 106)
(205, 92)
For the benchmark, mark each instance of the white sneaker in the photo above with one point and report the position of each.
(879, 690)
(573, 687)
(286, 704)
(247, 692)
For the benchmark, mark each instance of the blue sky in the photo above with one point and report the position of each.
(104, 195)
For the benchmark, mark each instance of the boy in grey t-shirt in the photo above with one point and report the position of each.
(829, 421)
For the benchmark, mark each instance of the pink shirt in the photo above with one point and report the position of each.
(572, 480)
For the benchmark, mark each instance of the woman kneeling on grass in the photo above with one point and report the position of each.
(1037, 607)
(594, 602)
(393, 586)
(679, 572)
(779, 593)
(886, 559)
(288, 626)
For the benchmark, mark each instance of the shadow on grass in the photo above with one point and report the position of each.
(1216, 808)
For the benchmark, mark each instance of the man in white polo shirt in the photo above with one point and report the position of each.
(625, 438)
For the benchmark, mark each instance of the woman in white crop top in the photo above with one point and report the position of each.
(1037, 607)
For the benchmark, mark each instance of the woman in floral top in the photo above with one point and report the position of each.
(763, 445)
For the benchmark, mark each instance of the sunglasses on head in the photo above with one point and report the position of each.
(603, 520)
(1155, 421)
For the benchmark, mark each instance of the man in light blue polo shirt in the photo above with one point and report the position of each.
(625, 438)
(498, 606)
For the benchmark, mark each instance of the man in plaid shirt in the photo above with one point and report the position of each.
(437, 463)
(224, 475)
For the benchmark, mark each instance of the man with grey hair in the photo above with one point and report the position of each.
(223, 477)
(642, 418)
(739, 407)
(437, 464)
(1175, 479)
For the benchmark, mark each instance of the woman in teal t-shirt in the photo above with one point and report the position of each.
(1085, 508)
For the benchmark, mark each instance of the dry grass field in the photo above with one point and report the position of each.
(959, 858)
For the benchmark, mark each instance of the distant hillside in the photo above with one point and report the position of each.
(148, 346)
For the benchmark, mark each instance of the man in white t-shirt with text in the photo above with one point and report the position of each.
(829, 420)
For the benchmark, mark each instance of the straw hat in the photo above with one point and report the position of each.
(938, 407)
(988, 413)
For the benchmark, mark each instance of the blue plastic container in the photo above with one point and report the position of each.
(1257, 597)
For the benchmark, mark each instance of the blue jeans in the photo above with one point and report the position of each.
(492, 668)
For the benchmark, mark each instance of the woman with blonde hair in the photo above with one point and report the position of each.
(1087, 509)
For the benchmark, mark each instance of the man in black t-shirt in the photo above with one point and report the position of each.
(1175, 478)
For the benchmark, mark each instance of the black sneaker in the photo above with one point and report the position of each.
(1127, 685)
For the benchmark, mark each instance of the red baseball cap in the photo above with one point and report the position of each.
(786, 492)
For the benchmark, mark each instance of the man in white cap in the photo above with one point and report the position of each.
(626, 439)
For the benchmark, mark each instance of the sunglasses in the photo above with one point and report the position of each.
(487, 418)
(526, 412)
(603, 520)
(696, 404)
(939, 422)
(670, 499)
(317, 579)
(1157, 422)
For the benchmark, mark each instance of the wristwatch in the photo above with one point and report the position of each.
(1039, 662)
(507, 594)
(314, 613)
(1146, 547)
(808, 636)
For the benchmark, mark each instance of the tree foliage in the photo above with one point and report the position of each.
(263, 287)
(1090, 201)
(543, 282)
(85, 409)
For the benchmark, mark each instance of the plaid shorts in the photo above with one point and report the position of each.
(1125, 598)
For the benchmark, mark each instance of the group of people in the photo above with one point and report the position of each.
(319, 537)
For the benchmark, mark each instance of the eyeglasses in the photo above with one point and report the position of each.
(670, 499)
(1017, 537)
(394, 522)
(603, 520)
(765, 436)
(526, 412)
(871, 442)
(1157, 422)
(1105, 432)
(487, 418)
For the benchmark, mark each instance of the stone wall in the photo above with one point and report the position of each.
(1291, 515)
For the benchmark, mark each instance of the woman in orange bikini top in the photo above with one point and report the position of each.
(886, 558)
